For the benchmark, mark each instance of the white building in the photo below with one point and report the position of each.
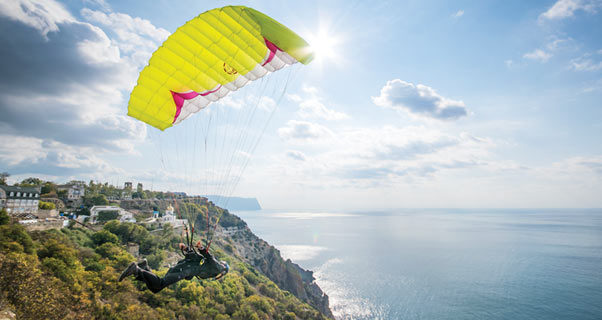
(19, 201)
(124, 216)
(170, 217)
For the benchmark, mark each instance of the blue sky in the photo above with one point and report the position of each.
(408, 104)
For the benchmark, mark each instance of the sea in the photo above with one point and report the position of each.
(446, 263)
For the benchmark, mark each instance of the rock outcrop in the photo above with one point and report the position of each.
(286, 274)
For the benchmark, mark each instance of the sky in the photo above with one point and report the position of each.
(407, 104)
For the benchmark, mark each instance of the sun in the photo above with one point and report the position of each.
(325, 45)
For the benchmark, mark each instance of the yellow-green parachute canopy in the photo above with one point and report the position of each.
(219, 51)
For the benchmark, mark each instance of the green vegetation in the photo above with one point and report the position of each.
(31, 182)
(4, 218)
(95, 200)
(72, 274)
(3, 177)
(104, 216)
(46, 205)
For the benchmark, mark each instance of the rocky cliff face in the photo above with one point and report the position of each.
(286, 274)
(234, 235)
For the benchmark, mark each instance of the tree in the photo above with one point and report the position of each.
(31, 293)
(4, 218)
(104, 236)
(46, 205)
(100, 200)
(15, 238)
(104, 216)
(31, 182)
(127, 232)
(96, 200)
(82, 211)
(62, 194)
(3, 177)
(48, 187)
(139, 195)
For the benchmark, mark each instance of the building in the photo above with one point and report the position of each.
(139, 187)
(170, 217)
(20, 201)
(75, 192)
(124, 216)
(126, 195)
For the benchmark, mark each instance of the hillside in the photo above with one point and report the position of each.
(72, 274)
(239, 241)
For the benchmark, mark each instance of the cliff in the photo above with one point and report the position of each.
(286, 274)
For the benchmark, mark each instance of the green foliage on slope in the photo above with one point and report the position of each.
(72, 274)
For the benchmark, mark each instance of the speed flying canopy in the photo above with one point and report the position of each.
(217, 52)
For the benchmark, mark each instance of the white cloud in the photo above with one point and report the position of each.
(590, 166)
(303, 131)
(315, 109)
(250, 101)
(458, 14)
(538, 55)
(294, 97)
(43, 15)
(134, 36)
(593, 86)
(127, 28)
(64, 101)
(461, 170)
(15, 150)
(558, 43)
(574, 181)
(419, 100)
(99, 50)
(27, 155)
(229, 101)
(243, 154)
(384, 156)
(296, 155)
(566, 8)
(553, 46)
(312, 107)
(267, 104)
(587, 62)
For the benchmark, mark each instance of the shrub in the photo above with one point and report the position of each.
(104, 236)
(46, 205)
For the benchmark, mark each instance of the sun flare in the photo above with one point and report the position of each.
(325, 45)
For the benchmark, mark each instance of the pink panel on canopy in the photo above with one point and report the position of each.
(180, 97)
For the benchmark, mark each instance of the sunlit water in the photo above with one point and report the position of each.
(447, 264)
